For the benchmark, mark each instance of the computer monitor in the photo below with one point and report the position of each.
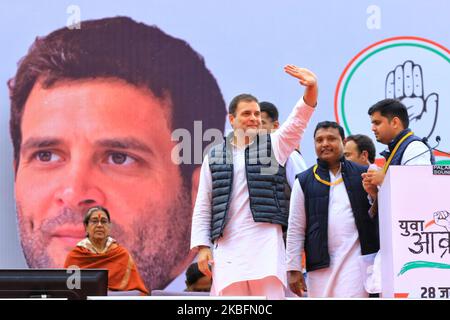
(53, 283)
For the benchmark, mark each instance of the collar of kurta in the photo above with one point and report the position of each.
(230, 140)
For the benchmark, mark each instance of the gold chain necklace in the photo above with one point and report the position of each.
(324, 181)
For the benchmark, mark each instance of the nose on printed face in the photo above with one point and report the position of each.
(79, 193)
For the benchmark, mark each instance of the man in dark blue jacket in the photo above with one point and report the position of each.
(329, 220)
(390, 125)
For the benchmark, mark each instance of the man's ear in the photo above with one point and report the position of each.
(397, 122)
(276, 124)
(364, 156)
(194, 184)
(231, 119)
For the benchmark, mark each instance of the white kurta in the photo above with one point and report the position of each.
(416, 154)
(247, 250)
(343, 278)
(294, 165)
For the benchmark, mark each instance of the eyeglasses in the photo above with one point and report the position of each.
(96, 221)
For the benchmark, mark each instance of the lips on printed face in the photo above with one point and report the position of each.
(66, 236)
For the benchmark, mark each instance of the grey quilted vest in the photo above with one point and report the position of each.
(265, 180)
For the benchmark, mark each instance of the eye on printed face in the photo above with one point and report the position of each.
(100, 142)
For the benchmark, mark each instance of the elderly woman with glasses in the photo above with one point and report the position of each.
(100, 251)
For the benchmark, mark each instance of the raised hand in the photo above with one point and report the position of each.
(307, 79)
(405, 83)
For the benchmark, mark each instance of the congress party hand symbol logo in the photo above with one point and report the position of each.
(442, 218)
(406, 83)
(415, 71)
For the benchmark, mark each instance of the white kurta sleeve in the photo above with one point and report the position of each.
(294, 165)
(201, 219)
(296, 229)
(287, 138)
(416, 149)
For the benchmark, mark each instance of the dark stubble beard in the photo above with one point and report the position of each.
(162, 245)
(35, 242)
(158, 244)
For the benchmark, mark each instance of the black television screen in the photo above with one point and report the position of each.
(53, 283)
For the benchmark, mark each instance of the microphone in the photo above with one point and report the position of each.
(439, 139)
(424, 140)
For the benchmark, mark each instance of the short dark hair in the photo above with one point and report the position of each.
(330, 124)
(122, 48)
(193, 274)
(270, 109)
(241, 97)
(363, 143)
(91, 210)
(391, 108)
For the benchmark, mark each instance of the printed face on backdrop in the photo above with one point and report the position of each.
(101, 142)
